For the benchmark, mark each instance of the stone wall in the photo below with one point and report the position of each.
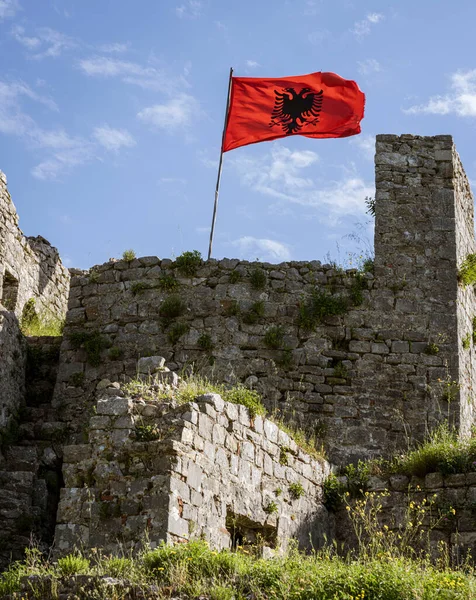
(30, 268)
(387, 368)
(153, 472)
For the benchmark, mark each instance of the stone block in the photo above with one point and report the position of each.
(150, 364)
(115, 406)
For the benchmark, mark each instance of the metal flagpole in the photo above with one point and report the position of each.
(219, 168)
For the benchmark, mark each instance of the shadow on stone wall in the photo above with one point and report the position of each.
(49, 259)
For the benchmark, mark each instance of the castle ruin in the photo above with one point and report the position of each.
(389, 367)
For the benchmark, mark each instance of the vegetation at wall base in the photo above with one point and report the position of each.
(194, 570)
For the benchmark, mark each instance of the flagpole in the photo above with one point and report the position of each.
(220, 164)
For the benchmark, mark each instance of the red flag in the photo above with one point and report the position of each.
(319, 105)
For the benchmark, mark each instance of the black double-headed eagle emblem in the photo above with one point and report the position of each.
(292, 110)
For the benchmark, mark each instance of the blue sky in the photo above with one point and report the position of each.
(111, 114)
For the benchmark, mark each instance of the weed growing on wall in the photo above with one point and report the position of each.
(274, 337)
(235, 276)
(466, 341)
(176, 331)
(254, 314)
(92, 342)
(258, 279)
(171, 308)
(296, 490)
(359, 283)
(432, 349)
(189, 262)
(319, 305)
(231, 308)
(205, 342)
(138, 287)
(128, 255)
(467, 271)
(168, 282)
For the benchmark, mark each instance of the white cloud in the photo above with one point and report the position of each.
(370, 65)
(312, 7)
(8, 8)
(264, 248)
(366, 143)
(190, 10)
(31, 43)
(114, 48)
(113, 139)
(51, 43)
(61, 150)
(175, 114)
(363, 28)
(252, 64)
(281, 174)
(460, 100)
(132, 73)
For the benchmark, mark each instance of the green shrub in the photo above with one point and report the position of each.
(285, 361)
(258, 279)
(253, 315)
(271, 508)
(176, 331)
(147, 433)
(115, 353)
(318, 306)
(370, 204)
(467, 271)
(93, 276)
(72, 564)
(172, 307)
(235, 276)
(189, 262)
(274, 337)
(296, 490)
(232, 308)
(432, 349)
(168, 282)
(92, 342)
(249, 398)
(205, 342)
(138, 287)
(334, 491)
(368, 265)
(466, 341)
(340, 370)
(359, 283)
(128, 255)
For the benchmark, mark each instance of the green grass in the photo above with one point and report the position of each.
(205, 342)
(194, 570)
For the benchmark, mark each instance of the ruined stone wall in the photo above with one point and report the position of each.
(205, 469)
(30, 268)
(368, 378)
